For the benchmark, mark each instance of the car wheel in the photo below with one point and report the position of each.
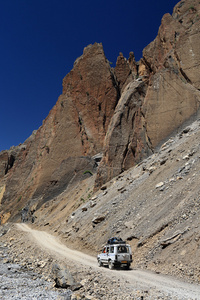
(127, 267)
(100, 263)
(110, 265)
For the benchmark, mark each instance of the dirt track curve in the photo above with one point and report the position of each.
(139, 278)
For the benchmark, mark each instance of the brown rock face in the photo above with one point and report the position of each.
(78, 123)
(93, 88)
(125, 70)
(75, 127)
(8, 157)
(173, 58)
(177, 44)
(126, 142)
(3, 163)
(170, 97)
(122, 70)
(168, 103)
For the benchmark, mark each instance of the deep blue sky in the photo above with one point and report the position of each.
(40, 40)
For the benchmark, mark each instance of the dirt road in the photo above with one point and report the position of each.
(138, 278)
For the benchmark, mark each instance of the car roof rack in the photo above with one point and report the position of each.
(115, 240)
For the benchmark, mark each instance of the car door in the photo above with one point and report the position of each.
(123, 254)
(104, 255)
(107, 253)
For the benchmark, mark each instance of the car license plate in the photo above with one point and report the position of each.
(124, 262)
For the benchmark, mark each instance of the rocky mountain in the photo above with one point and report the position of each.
(164, 96)
(98, 146)
(154, 206)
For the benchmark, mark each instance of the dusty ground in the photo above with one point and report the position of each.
(38, 250)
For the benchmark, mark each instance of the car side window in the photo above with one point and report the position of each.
(112, 249)
(107, 249)
(104, 250)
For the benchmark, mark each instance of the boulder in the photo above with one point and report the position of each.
(99, 219)
(63, 278)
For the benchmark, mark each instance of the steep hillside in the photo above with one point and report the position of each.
(94, 169)
(154, 206)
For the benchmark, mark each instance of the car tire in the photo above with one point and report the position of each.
(100, 263)
(127, 267)
(110, 265)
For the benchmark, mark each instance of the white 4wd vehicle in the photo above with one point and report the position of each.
(116, 253)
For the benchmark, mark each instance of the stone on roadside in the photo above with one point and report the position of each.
(159, 185)
(98, 219)
(63, 278)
